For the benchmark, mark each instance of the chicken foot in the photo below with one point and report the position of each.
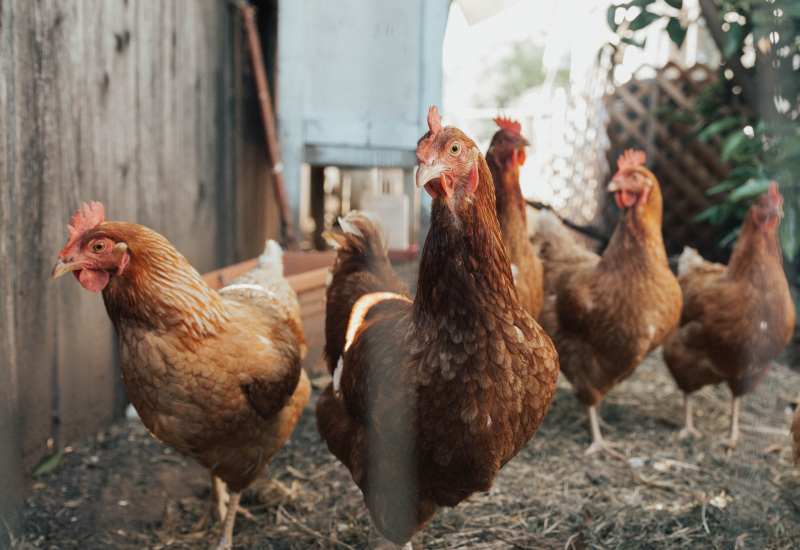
(733, 436)
(688, 428)
(598, 443)
(222, 498)
(226, 539)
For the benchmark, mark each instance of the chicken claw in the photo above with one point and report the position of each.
(688, 427)
(598, 443)
(222, 499)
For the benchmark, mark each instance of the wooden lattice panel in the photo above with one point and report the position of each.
(578, 171)
(641, 116)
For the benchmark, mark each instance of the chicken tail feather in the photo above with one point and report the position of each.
(553, 241)
(688, 258)
(272, 258)
(362, 234)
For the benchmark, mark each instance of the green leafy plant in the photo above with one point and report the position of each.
(753, 108)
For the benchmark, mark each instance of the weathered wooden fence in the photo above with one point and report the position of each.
(146, 107)
(641, 116)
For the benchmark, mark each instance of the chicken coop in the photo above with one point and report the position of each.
(356, 80)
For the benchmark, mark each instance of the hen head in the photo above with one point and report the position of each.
(448, 161)
(633, 182)
(91, 255)
(507, 149)
(767, 211)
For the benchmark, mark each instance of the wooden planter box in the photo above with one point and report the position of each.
(306, 273)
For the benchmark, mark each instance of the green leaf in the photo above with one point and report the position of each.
(48, 464)
(752, 188)
(637, 3)
(733, 40)
(642, 20)
(676, 31)
(677, 4)
(632, 42)
(732, 144)
(711, 214)
(717, 127)
(721, 187)
(730, 238)
(789, 233)
(612, 12)
(742, 173)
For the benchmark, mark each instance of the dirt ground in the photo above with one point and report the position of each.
(122, 489)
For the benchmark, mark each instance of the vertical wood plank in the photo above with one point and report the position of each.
(36, 191)
(10, 439)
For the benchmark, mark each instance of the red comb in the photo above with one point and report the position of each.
(630, 159)
(434, 120)
(91, 215)
(424, 147)
(775, 197)
(510, 125)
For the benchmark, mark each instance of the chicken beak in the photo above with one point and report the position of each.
(428, 172)
(522, 142)
(63, 267)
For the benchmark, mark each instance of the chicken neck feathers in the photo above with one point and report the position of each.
(513, 222)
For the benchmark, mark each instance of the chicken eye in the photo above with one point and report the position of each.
(98, 247)
(455, 148)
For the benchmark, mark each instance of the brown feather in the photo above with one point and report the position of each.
(735, 319)
(436, 395)
(217, 378)
(513, 221)
(605, 313)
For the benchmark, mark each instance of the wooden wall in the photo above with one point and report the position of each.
(140, 105)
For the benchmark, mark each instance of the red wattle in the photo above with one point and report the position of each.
(93, 280)
(625, 199)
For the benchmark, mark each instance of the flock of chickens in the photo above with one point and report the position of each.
(431, 394)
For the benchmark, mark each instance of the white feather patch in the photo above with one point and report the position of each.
(362, 307)
(349, 227)
(337, 378)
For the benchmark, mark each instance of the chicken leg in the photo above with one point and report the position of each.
(222, 498)
(598, 443)
(733, 437)
(688, 427)
(226, 539)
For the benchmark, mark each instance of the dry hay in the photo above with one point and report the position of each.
(670, 494)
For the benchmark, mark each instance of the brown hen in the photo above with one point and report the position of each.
(433, 395)
(735, 319)
(605, 313)
(216, 376)
(505, 156)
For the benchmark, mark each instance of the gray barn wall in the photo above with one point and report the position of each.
(139, 105)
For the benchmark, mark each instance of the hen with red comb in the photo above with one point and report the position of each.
(505, 156)
(605, 313)
(432, 395)
(216, 376)
(737, 318)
